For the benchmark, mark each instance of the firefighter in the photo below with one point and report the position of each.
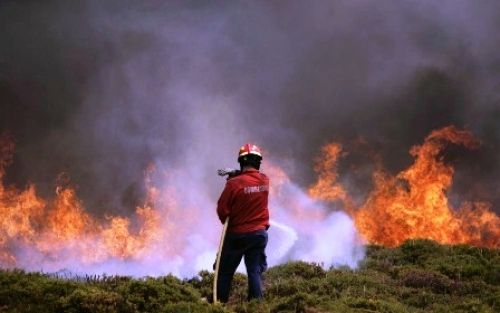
(244, 201)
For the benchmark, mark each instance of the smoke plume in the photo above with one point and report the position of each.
(102, 90)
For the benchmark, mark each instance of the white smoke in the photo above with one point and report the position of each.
(301, 229)
(305, 229)
(185, 85)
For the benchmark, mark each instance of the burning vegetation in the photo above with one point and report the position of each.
(412, 204)
(61, 228)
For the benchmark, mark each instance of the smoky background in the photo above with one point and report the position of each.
(101, 89)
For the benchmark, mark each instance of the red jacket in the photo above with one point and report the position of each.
(244, 201)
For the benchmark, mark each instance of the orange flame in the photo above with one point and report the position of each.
(327, 187)
(61, 228)
(411, 204)
(414, 204)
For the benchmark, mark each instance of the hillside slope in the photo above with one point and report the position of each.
(418, 276)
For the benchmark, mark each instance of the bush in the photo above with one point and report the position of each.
(417, 251)
(419, 276)
(295, 270)
(94, 300)
(151, 294)
(428, 280)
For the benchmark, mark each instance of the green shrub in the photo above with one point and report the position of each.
(428, 280)
(417, 251)
(94, 300)
(152, 294)
(419, 276)
(297, 302)
(295, 269)
(190, 307)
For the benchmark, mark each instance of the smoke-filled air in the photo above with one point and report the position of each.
(379, 122)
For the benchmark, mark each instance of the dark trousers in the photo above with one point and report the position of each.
(250, 245)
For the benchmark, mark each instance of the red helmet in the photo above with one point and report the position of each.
(249, 149)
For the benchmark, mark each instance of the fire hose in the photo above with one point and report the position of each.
(230, 173)
(217, 260)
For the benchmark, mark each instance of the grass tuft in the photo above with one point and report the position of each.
(418, 276)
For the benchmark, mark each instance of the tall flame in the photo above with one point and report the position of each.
(58, 232)
(414, 203)
(327, 186)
